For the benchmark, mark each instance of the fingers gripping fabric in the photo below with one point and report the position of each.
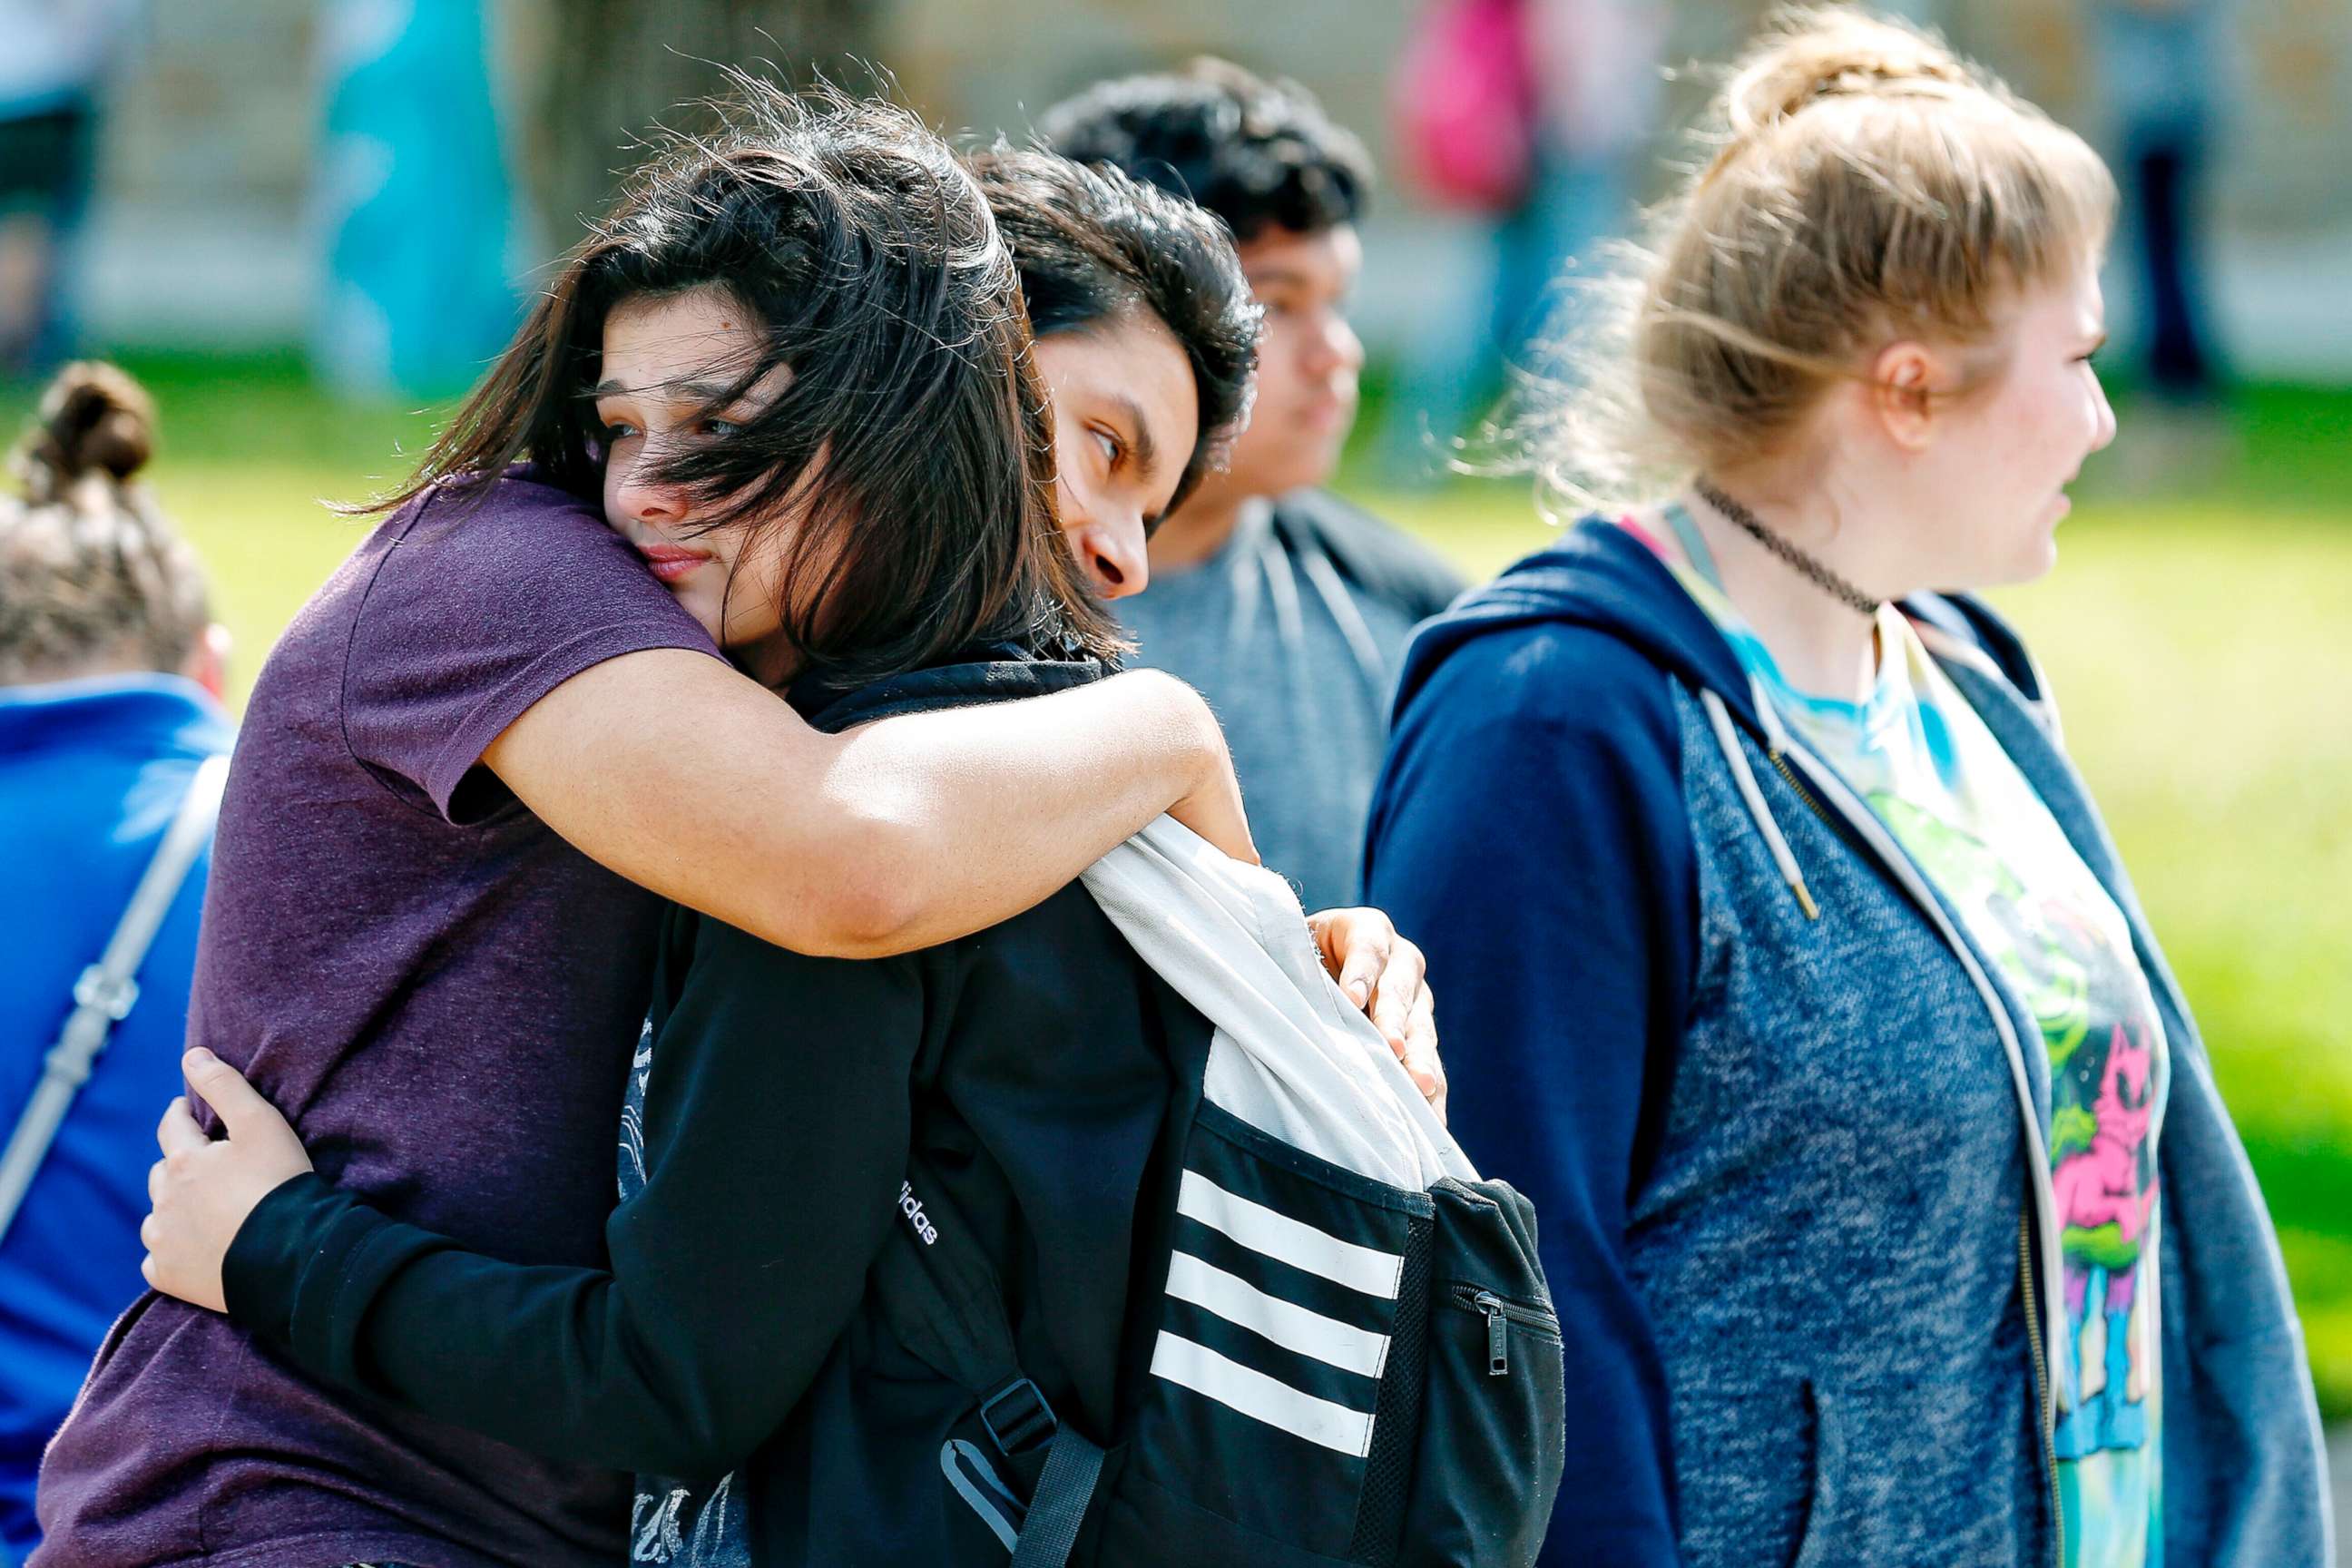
(1291, 1055)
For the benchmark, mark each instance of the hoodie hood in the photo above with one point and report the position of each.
(1601, 577)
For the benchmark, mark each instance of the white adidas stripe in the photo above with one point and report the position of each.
(1278, 1235)
(1260, 1397)
(1288, 1324)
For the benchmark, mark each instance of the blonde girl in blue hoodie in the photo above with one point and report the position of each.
(1886, 1196)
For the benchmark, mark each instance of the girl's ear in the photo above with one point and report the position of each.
(1902, 394)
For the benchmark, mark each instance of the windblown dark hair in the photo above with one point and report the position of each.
(1259, 153)
(1093, 246)
(910, 448)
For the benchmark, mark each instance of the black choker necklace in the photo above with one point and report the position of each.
(1814, 571)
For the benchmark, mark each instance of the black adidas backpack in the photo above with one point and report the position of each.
(1346, 1370)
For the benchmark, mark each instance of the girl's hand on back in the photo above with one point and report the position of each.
(202, 1189)
(1387, 977)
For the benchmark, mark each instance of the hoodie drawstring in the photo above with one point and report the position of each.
(1719, 718)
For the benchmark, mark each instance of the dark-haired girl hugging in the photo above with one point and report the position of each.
(793, 367)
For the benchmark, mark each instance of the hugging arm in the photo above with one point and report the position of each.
(779, 1116)
(506, 625)
(675, 772)
(1527, 826)
(686, 777)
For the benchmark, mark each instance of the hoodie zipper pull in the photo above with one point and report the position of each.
(1498, 1335)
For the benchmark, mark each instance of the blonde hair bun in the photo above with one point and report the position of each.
(1810, 53)
(93, 419)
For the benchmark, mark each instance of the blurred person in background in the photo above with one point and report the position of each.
(410, 198)
(111, 670)
(1528, 113)
(1891, 1208)
(53, 58)
(1287, 608)
(2166, 72)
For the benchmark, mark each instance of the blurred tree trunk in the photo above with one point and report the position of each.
(591, 74)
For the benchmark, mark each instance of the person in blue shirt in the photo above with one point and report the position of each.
(111, 670)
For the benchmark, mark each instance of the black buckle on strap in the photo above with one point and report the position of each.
(1017, 1418)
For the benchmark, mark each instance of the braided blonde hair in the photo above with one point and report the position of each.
(92, 577)
(1865, 185)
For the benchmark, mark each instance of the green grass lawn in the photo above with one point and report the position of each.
(2199, 644)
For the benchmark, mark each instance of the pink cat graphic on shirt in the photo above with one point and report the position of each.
(2104, 1184)
(2106, 1198)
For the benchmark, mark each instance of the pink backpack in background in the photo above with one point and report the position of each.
(1465, 103)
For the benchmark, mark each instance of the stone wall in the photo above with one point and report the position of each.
(197, 235)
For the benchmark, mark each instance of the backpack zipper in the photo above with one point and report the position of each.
(1499, 1315)
(1498, 1333)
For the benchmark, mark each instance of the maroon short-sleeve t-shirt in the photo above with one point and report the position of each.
(443, 995)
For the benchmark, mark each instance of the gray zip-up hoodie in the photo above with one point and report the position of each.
(1784, 1123)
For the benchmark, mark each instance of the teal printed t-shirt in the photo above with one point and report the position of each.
(1919, 755)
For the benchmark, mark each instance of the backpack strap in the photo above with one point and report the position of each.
(107, 991)
(938, 1294)
(1058, 1507)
